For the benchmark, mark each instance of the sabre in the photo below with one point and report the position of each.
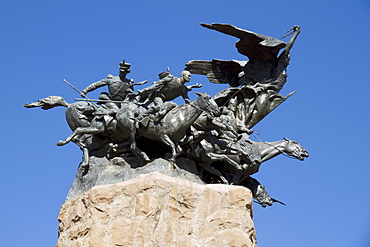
(78, 91)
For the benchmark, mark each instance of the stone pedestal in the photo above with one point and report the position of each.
(157, 210)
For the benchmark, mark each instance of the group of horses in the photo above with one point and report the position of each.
(122, 129)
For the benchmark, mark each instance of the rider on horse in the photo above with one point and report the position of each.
(166, 89)
(118, 86)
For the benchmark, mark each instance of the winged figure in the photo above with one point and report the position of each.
(265, 65)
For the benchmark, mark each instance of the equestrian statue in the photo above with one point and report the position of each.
(209, 137)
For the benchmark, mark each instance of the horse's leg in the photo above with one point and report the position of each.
(138, 152)
(178, 149)
(80, 131)
(85, 151)
(191, 137)
(95, 127)
(224, 158)
(85, 161)
(68, 139)
(213, 171)
(167, 140)
(133, 146)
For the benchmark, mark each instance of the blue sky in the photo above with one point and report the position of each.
(42, 42)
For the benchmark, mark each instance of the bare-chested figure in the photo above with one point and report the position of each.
(163, 91)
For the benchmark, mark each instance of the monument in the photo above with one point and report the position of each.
(200, 149)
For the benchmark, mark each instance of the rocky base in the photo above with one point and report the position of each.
(157, 210)
(102, 171)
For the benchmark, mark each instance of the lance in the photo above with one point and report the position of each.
(101, 100)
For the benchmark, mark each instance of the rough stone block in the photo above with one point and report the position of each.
(157, 210)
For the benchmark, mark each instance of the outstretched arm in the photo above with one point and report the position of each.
(140, 83)
(197, 85)
(94, 86)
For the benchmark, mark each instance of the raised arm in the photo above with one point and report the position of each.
(284, 56)
(296, 32)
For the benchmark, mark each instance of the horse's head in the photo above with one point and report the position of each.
(259, 192)
(294, 149)
(262, 196)
(207, 103)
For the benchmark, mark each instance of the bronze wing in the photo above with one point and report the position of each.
(260, 49)
(253, 45)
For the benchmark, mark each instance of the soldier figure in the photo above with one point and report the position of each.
(103, 120)
(118, 86)
(166, 89)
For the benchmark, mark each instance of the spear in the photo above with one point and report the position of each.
(101, 100)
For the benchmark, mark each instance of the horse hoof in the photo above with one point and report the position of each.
(146, 158)
(84, 164)
(173, 165)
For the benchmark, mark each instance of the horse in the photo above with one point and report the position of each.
(241, 158)
(78, 114)
(170, 129)
(269, 150)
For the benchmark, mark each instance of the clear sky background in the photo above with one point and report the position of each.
(42, 42)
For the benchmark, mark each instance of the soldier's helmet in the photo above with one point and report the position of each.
(124, 67)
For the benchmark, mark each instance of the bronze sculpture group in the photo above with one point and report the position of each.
(213, 131)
